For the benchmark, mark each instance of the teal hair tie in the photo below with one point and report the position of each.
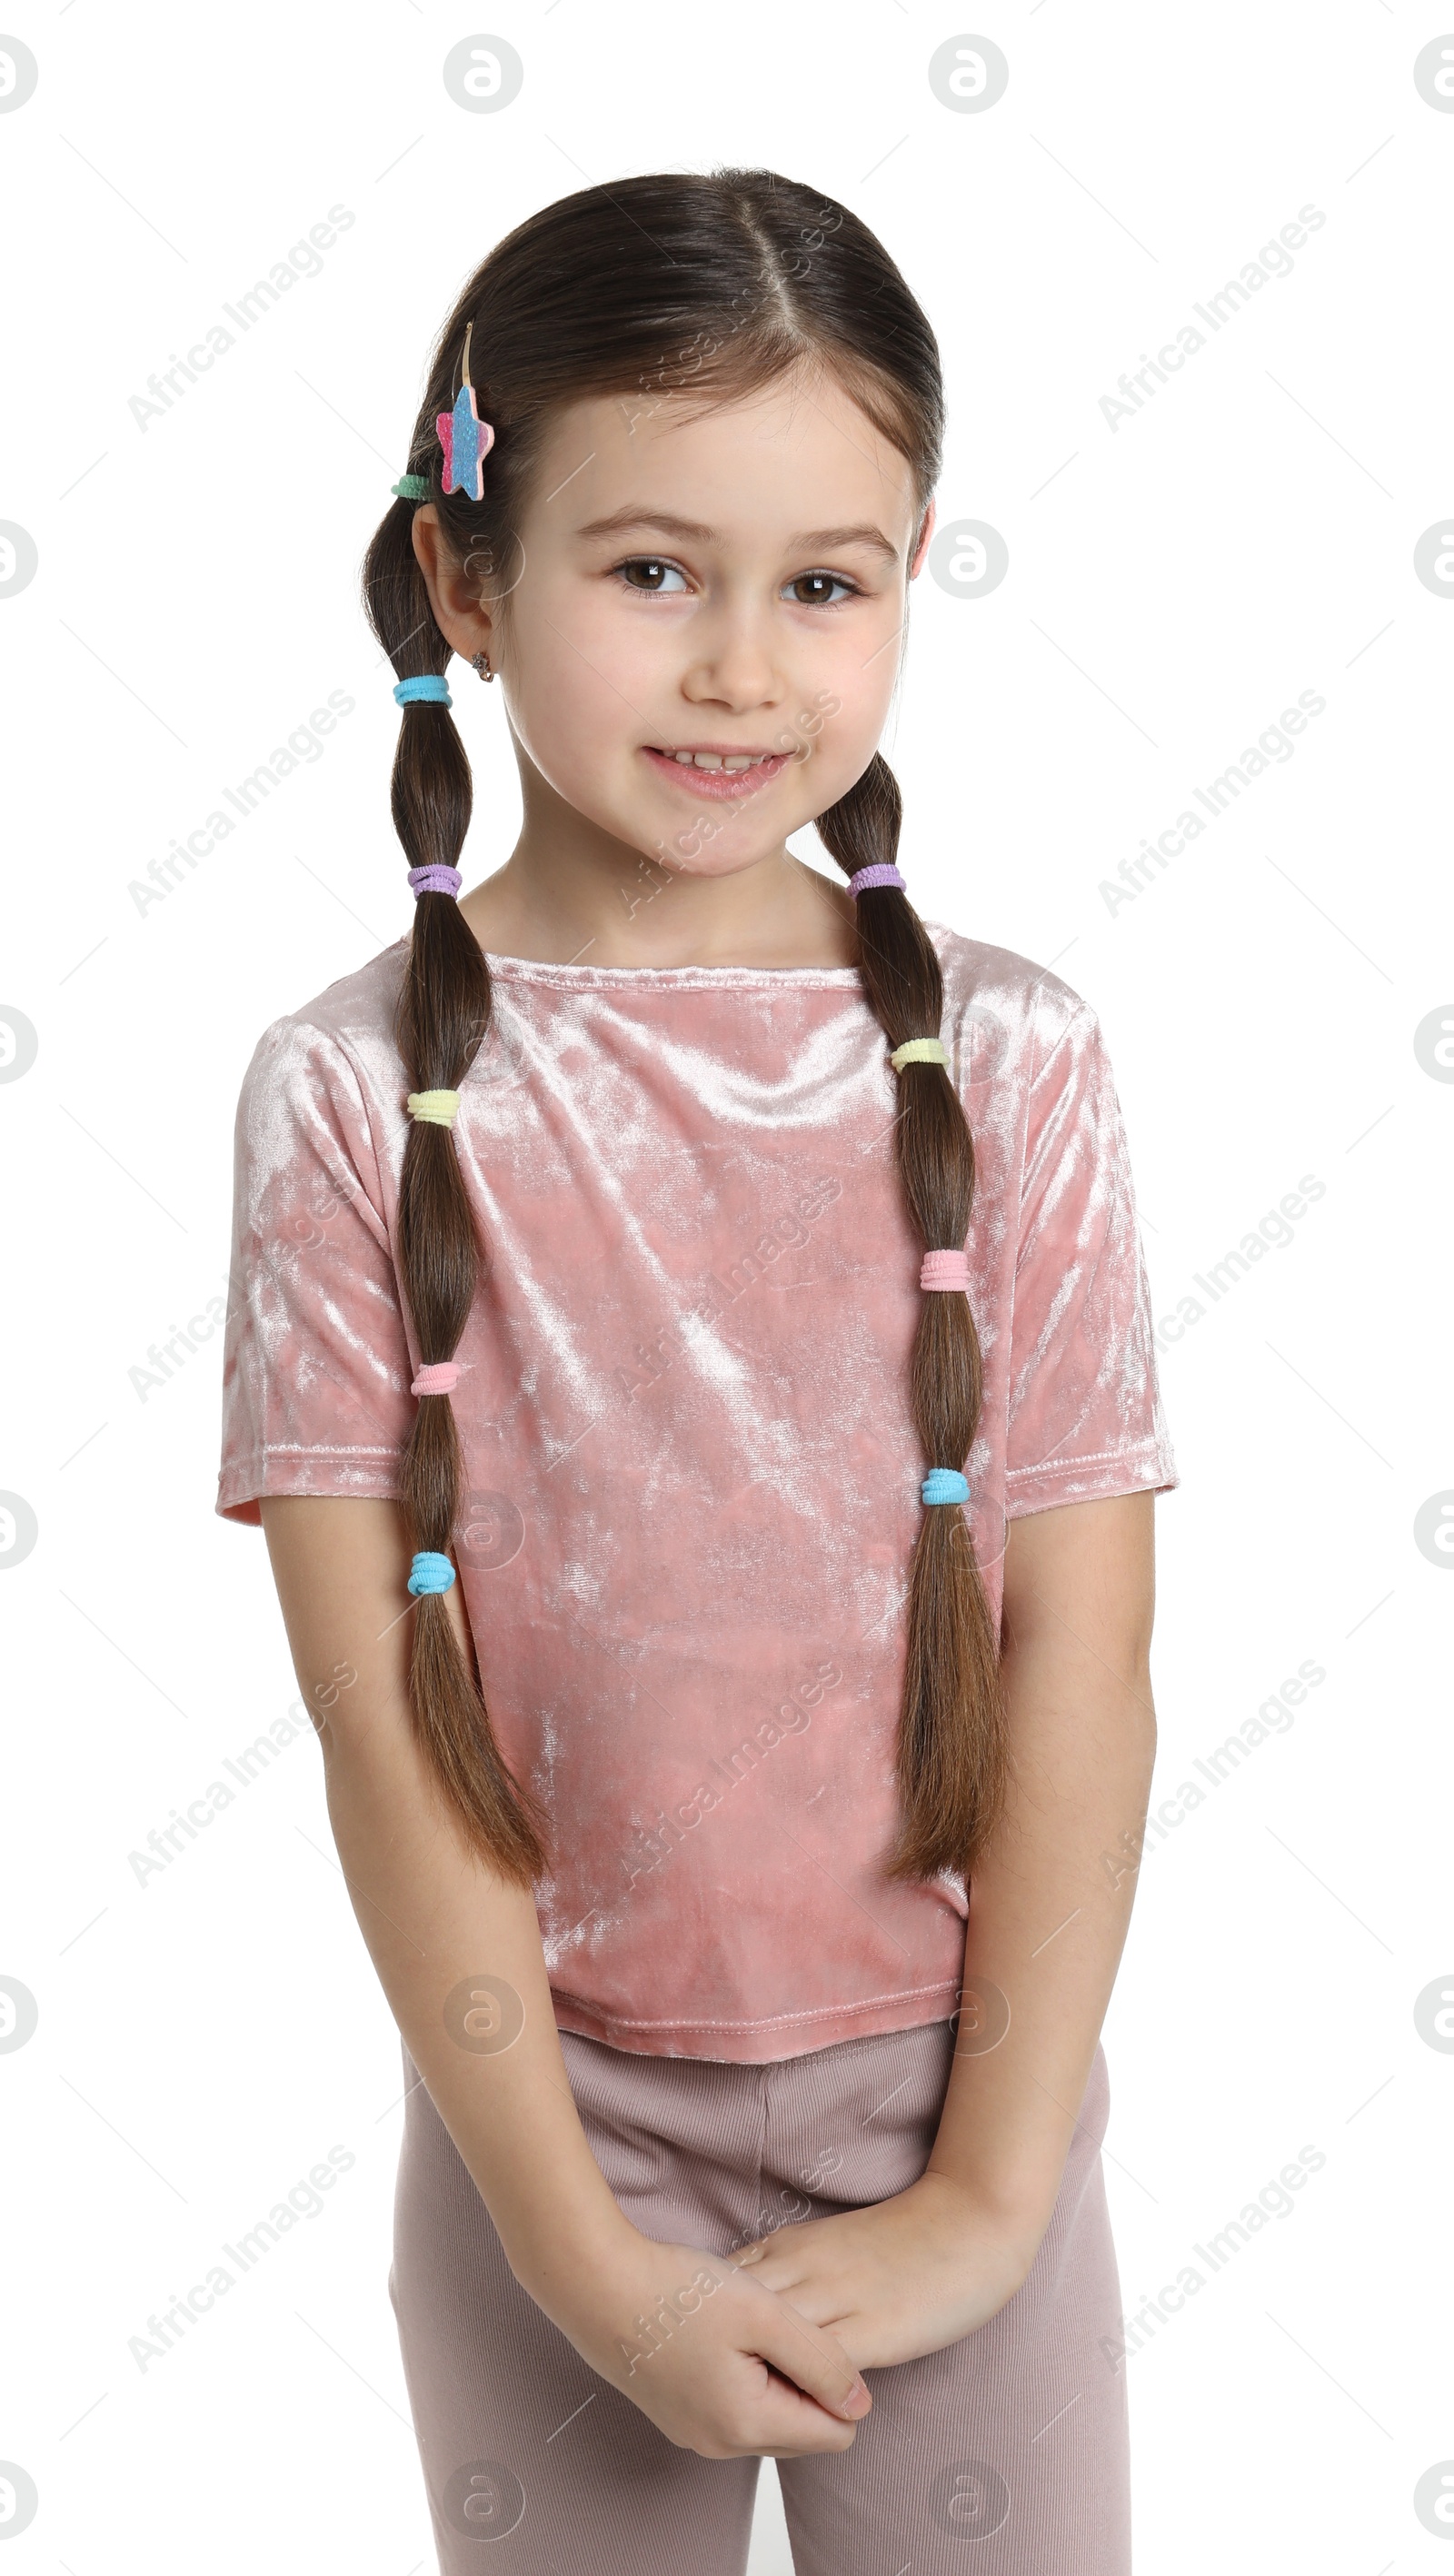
(430, 1572)
(411, 487)
(430, 691)
(944, 1485)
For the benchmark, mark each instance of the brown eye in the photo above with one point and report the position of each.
(813, 589)
(656, 573)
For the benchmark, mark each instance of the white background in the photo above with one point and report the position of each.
(1173, 584)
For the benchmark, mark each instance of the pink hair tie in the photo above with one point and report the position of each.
(944, 1270)
(437, 1377)
(863, 880)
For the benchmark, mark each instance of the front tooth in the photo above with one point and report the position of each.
(707, 759)
(737, 764)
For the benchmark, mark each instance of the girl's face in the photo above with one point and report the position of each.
(696, 592)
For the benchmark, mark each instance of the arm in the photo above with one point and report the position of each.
(433, 1916)
(1047, 1924)
(1047, 1921)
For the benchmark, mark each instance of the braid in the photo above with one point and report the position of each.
(442, 1014)
(952, 1757)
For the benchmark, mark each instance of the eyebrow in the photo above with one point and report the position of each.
(695, 532)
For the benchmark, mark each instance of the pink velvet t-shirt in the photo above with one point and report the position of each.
(692, 1481)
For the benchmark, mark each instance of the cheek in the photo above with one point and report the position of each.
(850, 730)
(580, 684)
(833, 724)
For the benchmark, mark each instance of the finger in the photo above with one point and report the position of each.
(815, 2362)
(793, 2278)
(792, 2426)
(779, 2257)
(774, 2264)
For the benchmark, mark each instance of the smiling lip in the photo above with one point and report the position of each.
(720, 785)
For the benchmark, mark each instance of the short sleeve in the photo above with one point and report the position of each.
(1085, 1414)
(315, 1392)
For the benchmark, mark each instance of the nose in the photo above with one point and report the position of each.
(732, 664)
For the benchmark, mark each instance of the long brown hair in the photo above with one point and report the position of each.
(716, 285)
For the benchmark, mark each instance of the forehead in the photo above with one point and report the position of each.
(800, 451)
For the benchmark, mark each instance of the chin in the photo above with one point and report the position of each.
(720, 853)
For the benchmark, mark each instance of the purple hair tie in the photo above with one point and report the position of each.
(435, 880)
(877, 876)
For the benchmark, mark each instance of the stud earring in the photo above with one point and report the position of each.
(481, 662)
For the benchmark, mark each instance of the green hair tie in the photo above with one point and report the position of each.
(411, 487)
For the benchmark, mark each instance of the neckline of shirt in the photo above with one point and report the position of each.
(571, 975)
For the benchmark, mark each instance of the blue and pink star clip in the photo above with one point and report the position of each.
(464, 437)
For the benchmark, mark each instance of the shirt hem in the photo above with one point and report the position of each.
(290, 1469)
(758, 2043)
(1148, 1468)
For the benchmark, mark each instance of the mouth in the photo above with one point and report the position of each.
(716, 771)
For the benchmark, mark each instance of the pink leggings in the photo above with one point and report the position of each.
(1005, 2455)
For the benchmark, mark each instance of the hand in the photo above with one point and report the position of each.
(713, 2357)
(904, 2277)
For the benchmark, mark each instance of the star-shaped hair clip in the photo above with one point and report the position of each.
(464, 437)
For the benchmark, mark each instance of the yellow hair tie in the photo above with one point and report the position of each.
(918, 1051)
(435, 1108)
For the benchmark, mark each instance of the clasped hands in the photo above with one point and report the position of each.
(761, 2351)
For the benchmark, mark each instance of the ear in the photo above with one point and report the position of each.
(459, 614)
(925, 533)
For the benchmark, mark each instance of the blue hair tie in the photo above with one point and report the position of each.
(944, 1485)
(430, 1572)
(431, 691)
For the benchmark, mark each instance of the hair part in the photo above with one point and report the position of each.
(708, 288)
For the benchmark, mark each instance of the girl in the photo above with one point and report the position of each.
(693, 1368)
